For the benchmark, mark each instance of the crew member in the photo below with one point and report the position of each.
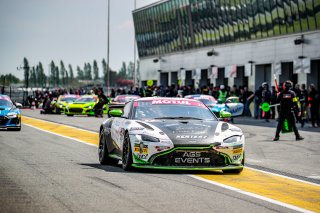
(287, 100)
(222, 94)
(98, 108)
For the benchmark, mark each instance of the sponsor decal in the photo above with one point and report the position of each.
(236, 151)
(177, 102)
(191, 158)
(192, 136)
(141, 150)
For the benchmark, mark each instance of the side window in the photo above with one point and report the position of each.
(126, 109)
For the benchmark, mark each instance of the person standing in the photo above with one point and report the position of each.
(287, 100)
(98, 108)
(222, 94)
(273, 101)
(266, 98)
(314, 105)
(257, 102)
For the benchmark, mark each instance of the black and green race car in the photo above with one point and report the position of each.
(170, 133)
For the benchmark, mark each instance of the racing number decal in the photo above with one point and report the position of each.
(141, 150)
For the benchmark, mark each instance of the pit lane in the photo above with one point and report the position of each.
(243, 203)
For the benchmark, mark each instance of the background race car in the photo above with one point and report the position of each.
(119, 101)
(84, 106)
(170, 133)
(10, 116)
(231, 105)
(60, 104)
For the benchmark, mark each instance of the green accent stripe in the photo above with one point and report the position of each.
(115, 156)
(186, 168)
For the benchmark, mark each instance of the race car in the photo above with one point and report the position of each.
(208, 100)
(84, 106)
(60, 104)
(231, 105)
(170, 133)
(10, 116)
(121, 100)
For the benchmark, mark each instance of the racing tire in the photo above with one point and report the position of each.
(103, 153)
(69, 115)
(127, 154)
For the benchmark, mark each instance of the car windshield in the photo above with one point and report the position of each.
(125, 99)
(207, 102)
(86, 100)
(5, 103)
(68, 99)
(171, 109)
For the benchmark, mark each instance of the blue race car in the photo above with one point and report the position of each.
(10, 116)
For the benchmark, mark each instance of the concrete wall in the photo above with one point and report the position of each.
(264, 51)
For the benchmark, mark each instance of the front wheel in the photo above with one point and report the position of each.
(104, 158)
(69, 115)
(127, 154)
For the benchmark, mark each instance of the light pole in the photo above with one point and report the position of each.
(134, 49)
(108, 49)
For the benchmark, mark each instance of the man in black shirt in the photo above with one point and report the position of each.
(287, 100)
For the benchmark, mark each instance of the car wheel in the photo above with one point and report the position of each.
(69, 115)
(103, 152)
(127, 154)
(235, 171)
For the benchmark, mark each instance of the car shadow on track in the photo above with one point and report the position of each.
(118, 169)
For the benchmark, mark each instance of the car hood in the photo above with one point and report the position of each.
(4, 111)
(79, 105)
(188, 132)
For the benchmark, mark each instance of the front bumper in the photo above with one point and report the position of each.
(190, 158)
(79, 111)
(6, 123)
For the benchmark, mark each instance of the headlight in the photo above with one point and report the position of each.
(148, 138)
(89, 107)
(12, 115)
(61, 105)
(232, 139)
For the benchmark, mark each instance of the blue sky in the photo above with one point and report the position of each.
(74, 31)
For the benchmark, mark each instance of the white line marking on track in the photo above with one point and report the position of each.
(252, 195)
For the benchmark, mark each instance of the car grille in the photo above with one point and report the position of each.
(191, 158)
(3, 120)
(76, 110)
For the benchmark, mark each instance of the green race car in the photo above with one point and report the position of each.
(60, 104)
(84, 106)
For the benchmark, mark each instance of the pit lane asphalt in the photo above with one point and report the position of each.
(46, 173)
(297, 159)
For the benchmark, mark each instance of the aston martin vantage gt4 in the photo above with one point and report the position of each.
(170, 133)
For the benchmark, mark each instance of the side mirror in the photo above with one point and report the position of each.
(224, 114)
(115, 113)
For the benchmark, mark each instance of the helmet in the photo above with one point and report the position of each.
(221, 86)
(264, 85)
(287, 85)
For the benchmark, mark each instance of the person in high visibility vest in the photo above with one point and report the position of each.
(288, 102)
(223, 94)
